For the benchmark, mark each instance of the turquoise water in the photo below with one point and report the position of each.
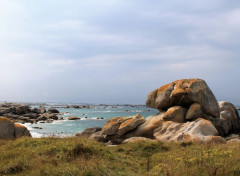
(67, 127)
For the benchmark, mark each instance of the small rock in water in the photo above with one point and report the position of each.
(73, 118)
(37, 128)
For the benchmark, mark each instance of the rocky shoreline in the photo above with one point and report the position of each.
(188, 112)
(19, 113)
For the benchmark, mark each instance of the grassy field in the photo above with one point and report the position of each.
(78, 156)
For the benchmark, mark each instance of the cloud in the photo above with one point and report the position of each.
(79, 50)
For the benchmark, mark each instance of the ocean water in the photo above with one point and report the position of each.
(63, 128)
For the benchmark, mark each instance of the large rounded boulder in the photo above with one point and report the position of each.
(6, 128)
(9, 130)
(184, 93)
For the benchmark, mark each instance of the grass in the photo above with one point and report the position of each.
(82, 157)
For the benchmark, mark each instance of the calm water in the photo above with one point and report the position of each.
(67, 127)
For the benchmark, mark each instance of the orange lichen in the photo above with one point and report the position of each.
(4, 119)
(127, 122)
(19, 125)
(163, 88)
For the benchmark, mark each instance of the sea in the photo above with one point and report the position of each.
(97, 116)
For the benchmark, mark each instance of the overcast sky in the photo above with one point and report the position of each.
(116, 51)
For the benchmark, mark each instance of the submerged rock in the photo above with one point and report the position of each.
(73, 118)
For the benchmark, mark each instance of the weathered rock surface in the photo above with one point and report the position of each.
(175, 114)
(146, 129)
(184, 93)
(21, 130)
(47, 116)
(230, 109)
(194, 112)
(200, 130)
(130, 124)
(98, 136)
(73, 118)
(6, 128)
(112, 125)
(188, 112)
(9, 130)
(137, 139)
(121, 125)
(229, 121)
(89, 131)
(24, 114)
(115, 129)
(52, 110)
(42, 110)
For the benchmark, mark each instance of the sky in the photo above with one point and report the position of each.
(116, 51)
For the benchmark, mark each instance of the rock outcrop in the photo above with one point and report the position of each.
(188, 112)
(52, 110)
(122, 125)
(229, 121)
(196, 131)
(184, 93)
(9, 130)
(24, 114)
(89, 131)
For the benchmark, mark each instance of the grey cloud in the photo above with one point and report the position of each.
(86, 51)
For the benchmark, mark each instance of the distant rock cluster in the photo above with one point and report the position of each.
(24, 114)
(188, 112)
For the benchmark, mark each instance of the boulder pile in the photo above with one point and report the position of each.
(188, 112)
(23, 113)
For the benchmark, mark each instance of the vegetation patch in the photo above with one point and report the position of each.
(79, 156)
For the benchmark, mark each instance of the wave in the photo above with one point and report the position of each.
(36, 135)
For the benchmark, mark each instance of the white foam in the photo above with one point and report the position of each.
(36, 135)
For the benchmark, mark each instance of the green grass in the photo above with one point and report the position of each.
(82, 157)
